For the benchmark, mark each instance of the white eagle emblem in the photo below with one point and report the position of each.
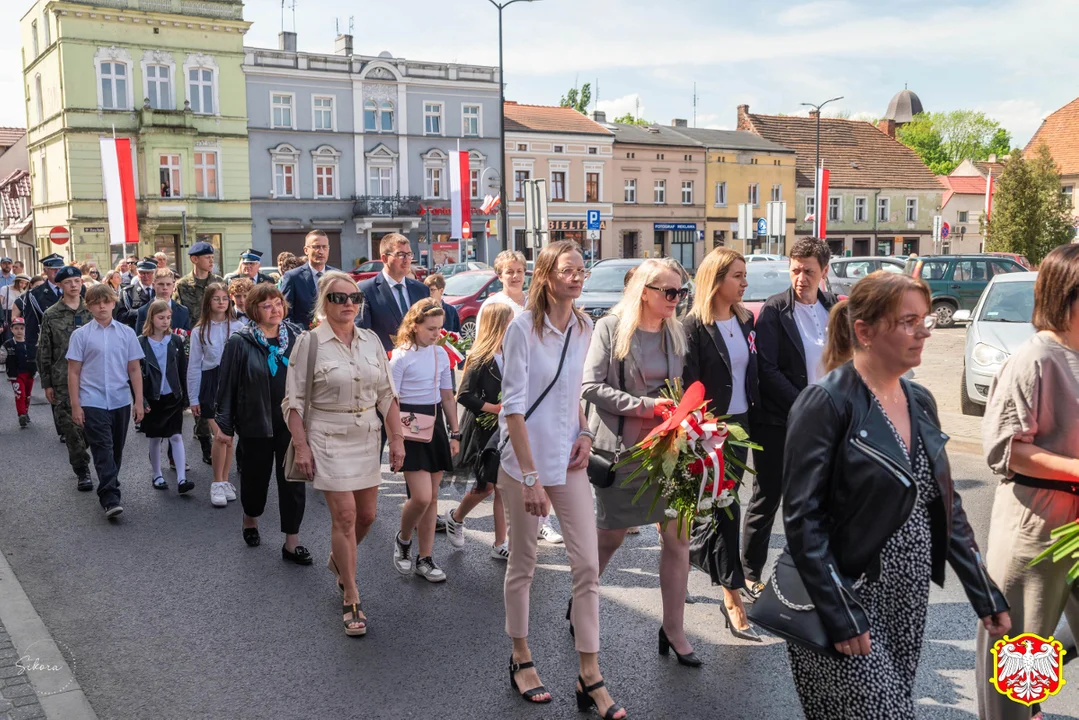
(1028, 668)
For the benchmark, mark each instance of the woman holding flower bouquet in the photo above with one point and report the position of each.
(722, 355)
(635, 351)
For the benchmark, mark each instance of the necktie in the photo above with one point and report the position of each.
(401, 299)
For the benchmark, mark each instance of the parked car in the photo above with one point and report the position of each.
(466, 291)
(1021, 259)
(765, 279)
(957, 281)
(607, 279)
(374, 267)
(448, 271)
(999, 324)
(763, 257)
(844, 272)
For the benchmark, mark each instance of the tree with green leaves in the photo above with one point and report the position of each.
(945, 139)
(578, 100)
(628, 119)
(1030, 214)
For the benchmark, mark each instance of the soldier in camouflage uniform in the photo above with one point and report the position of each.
(189, 291)
(57, 324)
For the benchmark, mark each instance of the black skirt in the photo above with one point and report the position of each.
(208, 392)
(166, 417)
(431, 456)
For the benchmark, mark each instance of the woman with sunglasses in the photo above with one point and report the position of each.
(634, 351)
(338, 449)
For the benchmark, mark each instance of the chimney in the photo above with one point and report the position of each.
(341, 46)
(992, 158)
(743, 117)
(887, 126)
(813, 113)
(286, 41)
(680, 123)
(599, 116)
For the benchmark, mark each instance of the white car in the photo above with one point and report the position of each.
(999, 324)
(763, 257)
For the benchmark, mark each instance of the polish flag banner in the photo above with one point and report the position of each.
(460, 192)
(119, 178)
(821, 210)
(988, 197)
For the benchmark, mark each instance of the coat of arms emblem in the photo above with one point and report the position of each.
(1028, 668)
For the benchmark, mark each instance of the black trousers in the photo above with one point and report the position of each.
(105, 432)
(258, 459)
(767, 493)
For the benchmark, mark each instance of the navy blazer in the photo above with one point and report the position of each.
(453, 319)
(181, 318)
(381, 313)
(300, 291)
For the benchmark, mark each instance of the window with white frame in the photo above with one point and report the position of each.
(884, 209)
(432, 183)
(44, 177)
(835, 209)
(370, 116)
(861, 209)
(206, 174)
(474, 184)
(200, 90)
(470, 120)
(380, 181)
(39, 101)
(520, 177)
(777, 193)
(811, 207)
(558, 186)
(33, 37)
(1066, 191)
(721, 193)
(631, 191)
(325, 181)
(591, 186)
(159, 87)
(284, 179)
(912, 209)
(48, 30)
(281, 103)
(169, 175)
(322, 107)
(113, 78)
(385, 116)
(659, 192)
(753, 194)
(432, 118)
(687, 192)
(964, 216)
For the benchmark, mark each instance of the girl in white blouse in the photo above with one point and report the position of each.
(217, 323)
(421, 374)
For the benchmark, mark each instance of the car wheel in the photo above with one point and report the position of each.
(945, 313)
(468, 328)
(968, 406)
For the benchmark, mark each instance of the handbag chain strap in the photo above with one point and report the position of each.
(774, 581)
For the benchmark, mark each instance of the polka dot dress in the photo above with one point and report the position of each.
(879, 685)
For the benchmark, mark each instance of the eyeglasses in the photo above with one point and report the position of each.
(271, 306)
(340, 298)
(911, 323)
(571, 273)
(402, 255)
(671, 293)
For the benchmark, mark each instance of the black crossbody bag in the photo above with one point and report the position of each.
(490, 458)
(601, 469)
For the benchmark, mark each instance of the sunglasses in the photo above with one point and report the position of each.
(340, 298)
(671, 293)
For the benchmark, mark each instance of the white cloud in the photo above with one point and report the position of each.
(814, 13)
(620, 106)
(1019, 117)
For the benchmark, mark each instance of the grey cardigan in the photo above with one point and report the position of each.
(600, 387)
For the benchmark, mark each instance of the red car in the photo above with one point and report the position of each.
(370, 269)
(1021, 259)
(466, 291)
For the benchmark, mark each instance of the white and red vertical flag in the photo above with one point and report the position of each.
(119, 180)
(988, 196)
(821, 206)
(460, 193)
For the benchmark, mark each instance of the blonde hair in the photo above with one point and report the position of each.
(99, 293)
(711, 274)
(391, 242)
(324, 284)
(423, 309)
(163, 273)
(546, 263)
(490, 334)
(507, 257)
(629, 308)
(156, 308)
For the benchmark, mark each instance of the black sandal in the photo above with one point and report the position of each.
(586, 702)
(251, 537)
(354, 609)
(528, 695)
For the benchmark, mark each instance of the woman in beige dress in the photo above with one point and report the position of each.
(340, 448)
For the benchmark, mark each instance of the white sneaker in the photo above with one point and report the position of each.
(402, 555)
(455, 531)
(230, 491)
(218, 494)
(501, 552)
(548, 533)
(426, 568)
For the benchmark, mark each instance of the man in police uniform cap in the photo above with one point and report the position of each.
(138, 293)
(57, 324)
(43, 297)
(250, 260)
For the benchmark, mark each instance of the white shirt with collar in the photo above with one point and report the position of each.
(315, 274)
(207, 356)
(393, 288)
(104, 352)
(812, 322)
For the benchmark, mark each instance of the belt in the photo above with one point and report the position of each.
(1071, 488)
(351, 411)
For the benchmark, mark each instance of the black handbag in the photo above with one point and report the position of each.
(490, 458)
(785, 609)
(601, 468)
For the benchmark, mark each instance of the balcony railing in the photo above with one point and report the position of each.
(387, 206)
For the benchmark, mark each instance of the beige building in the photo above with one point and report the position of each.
(964, 204)
(573, 154)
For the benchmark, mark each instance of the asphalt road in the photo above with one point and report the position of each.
(169, 615)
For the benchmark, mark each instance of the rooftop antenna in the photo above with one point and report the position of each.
(595, 104)
(351, 24)
(694, 104)
(638, 113)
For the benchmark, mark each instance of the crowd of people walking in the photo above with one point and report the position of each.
(309, 378)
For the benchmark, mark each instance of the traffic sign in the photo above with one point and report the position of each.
(466, 230)
(59, 235)
(593, 234)
(945, 230)
(762, 226)
(593, 219)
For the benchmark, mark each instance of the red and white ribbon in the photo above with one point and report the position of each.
(712, 437)
(753, 341)
(446, 341)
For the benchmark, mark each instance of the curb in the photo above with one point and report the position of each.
(965, 445)
(58, 692)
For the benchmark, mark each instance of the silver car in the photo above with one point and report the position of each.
(999, 324)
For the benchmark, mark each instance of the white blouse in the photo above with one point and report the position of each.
(499, 298)
(812, 321)
(530, 364)
(413, 371)
(738, 351)
(207, 356)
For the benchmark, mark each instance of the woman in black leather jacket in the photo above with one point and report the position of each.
(249, 396)
(869, 509)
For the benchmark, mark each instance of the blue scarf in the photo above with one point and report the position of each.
(275, 352)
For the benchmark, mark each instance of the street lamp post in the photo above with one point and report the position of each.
(504, 230)
(816, 167)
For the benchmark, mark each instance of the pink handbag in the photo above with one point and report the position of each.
(420, 427)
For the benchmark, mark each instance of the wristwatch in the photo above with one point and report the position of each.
(530, 479)
(455, 435)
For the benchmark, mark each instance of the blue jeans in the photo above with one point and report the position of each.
(106, 432)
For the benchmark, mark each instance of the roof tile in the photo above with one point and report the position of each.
(544, 118)
(9, 136)
(1060, 131)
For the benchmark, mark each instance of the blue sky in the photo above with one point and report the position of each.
(1013, 59)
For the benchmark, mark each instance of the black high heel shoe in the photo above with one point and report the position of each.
(528, 695)
(586, 702)
(748, 634)
(569, 614)
(690, 659)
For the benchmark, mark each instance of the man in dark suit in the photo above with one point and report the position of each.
(300, 286)
(791, 332)
(139, 292)
(388, 295)
(164, 285)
